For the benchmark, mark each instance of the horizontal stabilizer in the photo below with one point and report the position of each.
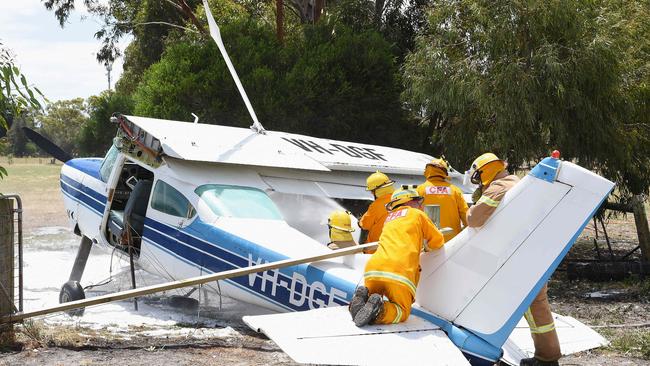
(574, 337)
(328, 336)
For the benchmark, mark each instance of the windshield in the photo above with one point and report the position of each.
(241, 202)
(107, 164)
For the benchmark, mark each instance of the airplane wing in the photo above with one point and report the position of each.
(574, 337)
(328, 336)
(233, 145)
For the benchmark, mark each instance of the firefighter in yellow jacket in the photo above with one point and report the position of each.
(489, 172)
(437, 190)
(372, 222)
(393, 270)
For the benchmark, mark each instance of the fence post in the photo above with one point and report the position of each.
(6, 268)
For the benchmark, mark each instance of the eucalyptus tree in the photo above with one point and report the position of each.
(523, 77)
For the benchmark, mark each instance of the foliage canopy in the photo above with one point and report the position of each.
(330, 81)
(523, 77)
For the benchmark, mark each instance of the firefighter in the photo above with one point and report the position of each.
(437, 190)
(340, 229)
(393, 270)
(372, 222)
(489, 172)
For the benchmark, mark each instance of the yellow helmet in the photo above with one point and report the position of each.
(485, 168)
(402, 196)
(340, 226)
(435, 167)
(340, 220)
(378, 180)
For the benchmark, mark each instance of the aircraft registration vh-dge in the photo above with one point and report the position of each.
(185, 199)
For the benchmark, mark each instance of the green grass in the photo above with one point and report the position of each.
(37, 183)
(25, 177)
(632, 342)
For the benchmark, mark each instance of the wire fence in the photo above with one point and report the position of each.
(11, 253)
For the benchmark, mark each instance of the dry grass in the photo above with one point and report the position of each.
(36, 334)
(37, 183)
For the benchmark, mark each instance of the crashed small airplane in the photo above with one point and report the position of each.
(184, 199)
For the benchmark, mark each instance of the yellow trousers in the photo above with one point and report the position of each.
(398, 307)
(542, 328)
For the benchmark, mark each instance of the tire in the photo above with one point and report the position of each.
(72, 291)
(183, 303)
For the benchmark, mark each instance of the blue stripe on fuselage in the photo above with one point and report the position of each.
(86, 196)
(301, 287)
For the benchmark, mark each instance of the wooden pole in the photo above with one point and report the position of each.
(642, 230)
(185, 283)
(6, 268)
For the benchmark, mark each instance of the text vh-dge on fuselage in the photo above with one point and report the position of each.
(204, 198)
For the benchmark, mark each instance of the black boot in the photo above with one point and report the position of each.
(370, 311)
(358, 300)
(537, 362)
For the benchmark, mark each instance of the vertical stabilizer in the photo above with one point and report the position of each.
(484, 279)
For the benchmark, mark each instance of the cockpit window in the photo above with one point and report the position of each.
(108, 163)
(235, 201)
(170, 201)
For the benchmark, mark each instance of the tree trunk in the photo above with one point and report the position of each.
(318, 9)
(642, 231)
(279, 19)
(6, 268)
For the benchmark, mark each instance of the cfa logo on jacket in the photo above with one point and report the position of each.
(397, 214)
(437, 190)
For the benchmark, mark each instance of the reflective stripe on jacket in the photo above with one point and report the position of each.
(453, 208)
(397, 258)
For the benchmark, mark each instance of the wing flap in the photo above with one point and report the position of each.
(328, 336)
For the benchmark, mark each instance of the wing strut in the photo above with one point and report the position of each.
(216, 35)
(186, 283)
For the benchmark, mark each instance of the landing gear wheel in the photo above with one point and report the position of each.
(72, 291)
(183, 303)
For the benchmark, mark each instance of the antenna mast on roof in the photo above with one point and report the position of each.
(216, 35)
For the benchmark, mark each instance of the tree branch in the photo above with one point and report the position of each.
(156, 23)
(190, 15)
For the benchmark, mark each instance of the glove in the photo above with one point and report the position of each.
(477, 194)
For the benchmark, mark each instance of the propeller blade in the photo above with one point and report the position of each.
(47, 145)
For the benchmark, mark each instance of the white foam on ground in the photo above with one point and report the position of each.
(48, 257)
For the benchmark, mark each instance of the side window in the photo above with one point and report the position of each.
(108, 163)
(168, 200)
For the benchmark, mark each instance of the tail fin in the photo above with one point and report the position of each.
(485, 279)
